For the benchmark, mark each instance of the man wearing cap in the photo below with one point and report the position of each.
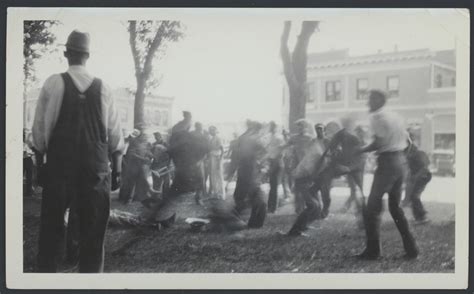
(77, 127)
(390, 141)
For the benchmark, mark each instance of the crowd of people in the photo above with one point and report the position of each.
(76, 128)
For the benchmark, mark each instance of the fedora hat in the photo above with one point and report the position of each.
(78, 41)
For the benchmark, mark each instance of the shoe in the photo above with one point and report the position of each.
(368, 255)
(169, 221)
(411, 255)
(324, 214)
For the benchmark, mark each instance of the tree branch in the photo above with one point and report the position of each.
(299, 54)
(147, 66)
(133, 45)
(285, 55)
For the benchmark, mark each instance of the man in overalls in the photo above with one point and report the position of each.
(77, 126)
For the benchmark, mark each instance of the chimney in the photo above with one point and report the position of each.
(395, 48)
(379, 51)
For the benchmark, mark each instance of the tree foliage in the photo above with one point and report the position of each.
(37, 39)
(149, 40)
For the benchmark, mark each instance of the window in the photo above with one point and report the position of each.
(393, 86)
(445, 141)
(310, 92)
(157, 117)
(438, 81)
(453, 81)
(333, 91)
(362, 89)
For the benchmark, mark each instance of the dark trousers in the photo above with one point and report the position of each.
(326, 178)
(248, 193)
(90, 195)
(28, 174)
(415, 185)
(388, 178)
(274, 175)
(134, 179)
(161, 183)
(312, 210)
(200, 180)
(300, 190)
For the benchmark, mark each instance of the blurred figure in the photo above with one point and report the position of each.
(250, 164)
(200, 167)
(390, 141)
(138, 159)
(216, 183)
(274, 149)
(160, 165)
(361, 134)
(418, 177)
(288, 166)
(300, 144)
(27, 166)
(321, 135)
(182, 126)
(344, 160)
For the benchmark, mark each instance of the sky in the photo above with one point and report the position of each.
(227, 68)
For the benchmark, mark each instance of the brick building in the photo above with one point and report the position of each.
(420, 83)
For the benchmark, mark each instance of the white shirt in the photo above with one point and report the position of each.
(49, 106)
(274, 146)
(389, 129)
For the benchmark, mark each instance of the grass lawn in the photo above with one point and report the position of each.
(329, 248)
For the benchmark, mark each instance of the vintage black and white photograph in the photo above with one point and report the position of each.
(239, 141)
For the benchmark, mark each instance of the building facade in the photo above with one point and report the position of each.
(158, 109)
(421, 85)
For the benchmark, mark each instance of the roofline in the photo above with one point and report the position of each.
(443, 65)
(398, 56)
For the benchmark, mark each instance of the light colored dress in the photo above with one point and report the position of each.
(216, 188)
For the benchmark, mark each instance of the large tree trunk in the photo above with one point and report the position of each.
(142, 73)
(294, 68)
(139, 106)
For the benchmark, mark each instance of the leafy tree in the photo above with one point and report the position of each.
(294, 67)
(148, 41)
(37, 38)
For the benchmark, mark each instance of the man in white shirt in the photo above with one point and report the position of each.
(390, 140)
(77, 127)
